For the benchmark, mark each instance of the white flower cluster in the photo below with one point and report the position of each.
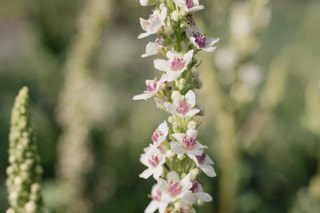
(175, 157)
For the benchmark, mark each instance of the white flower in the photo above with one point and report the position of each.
(199, 40)
(187, 143)
(147, 2)
(199, 195)
(154, 22)
(153, 48)
(160, 134)
(189, 5)
(204, 162)
(174, 188)
(153, 158)
(153, 87)
(156, 202)
(176, 64)
(182, 105)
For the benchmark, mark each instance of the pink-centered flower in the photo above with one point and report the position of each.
(156, 203)
(198, 194)
(204, 162)
(160, 134)
(153, 23)
(200, 40)
(187, 143)
(173, 188)
(176, 64)
(153, 48)
(189, 5)
(153, 158)
(182, 105)
(153, 87)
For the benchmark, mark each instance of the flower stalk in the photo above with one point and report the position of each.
(175, 157)
(24, 170)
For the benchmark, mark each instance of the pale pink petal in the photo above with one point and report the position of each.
(142, 97)
(173, 75)
(192, 132)
(143, 35)
(163, 14)
(186, 183)
(208, 170)
(161, 65)
(144, 24)
(205, 197)
(157, 172)
(178, 136)
(208, 160)
(188, 57)
(152, 207)
(173, 176)
(195, 152)
(172, 54)
(146, 173)
(170, 107)
(193, 112)
(177, 148)
(190, 97)
(194, 158)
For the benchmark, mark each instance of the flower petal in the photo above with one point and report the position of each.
(205, 197)
(173, 176)
(177, 148)
(208, 170)
(152, 207)
(161, 65)
(170, 107)
(146, 173)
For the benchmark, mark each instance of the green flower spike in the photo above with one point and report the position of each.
(24, 170)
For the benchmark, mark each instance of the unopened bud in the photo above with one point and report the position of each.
(147, 2)
(181, 156)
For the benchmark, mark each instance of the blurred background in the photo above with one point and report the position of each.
(81, 61)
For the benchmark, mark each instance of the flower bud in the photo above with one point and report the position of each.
(192, 125)
(175, 15)
(193, 173)
(182, 83)
(177, 205)
(181, 156)
(170, 154)
(147, 2)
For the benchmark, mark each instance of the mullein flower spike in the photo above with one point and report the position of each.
(175, 157)
(24, 170)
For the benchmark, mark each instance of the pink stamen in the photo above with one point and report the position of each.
(175, 188)
(158, 196)
(177, 64)
(201, 157)
(159, 40)
(195, 187)
(189, 3)
(156, 135)
(154, 161)
(183, 107)
(188, 143)
(152, 87)
(200, 39)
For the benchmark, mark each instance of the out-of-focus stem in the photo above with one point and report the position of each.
(269, 98)
(226, 144)
(74, 155)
